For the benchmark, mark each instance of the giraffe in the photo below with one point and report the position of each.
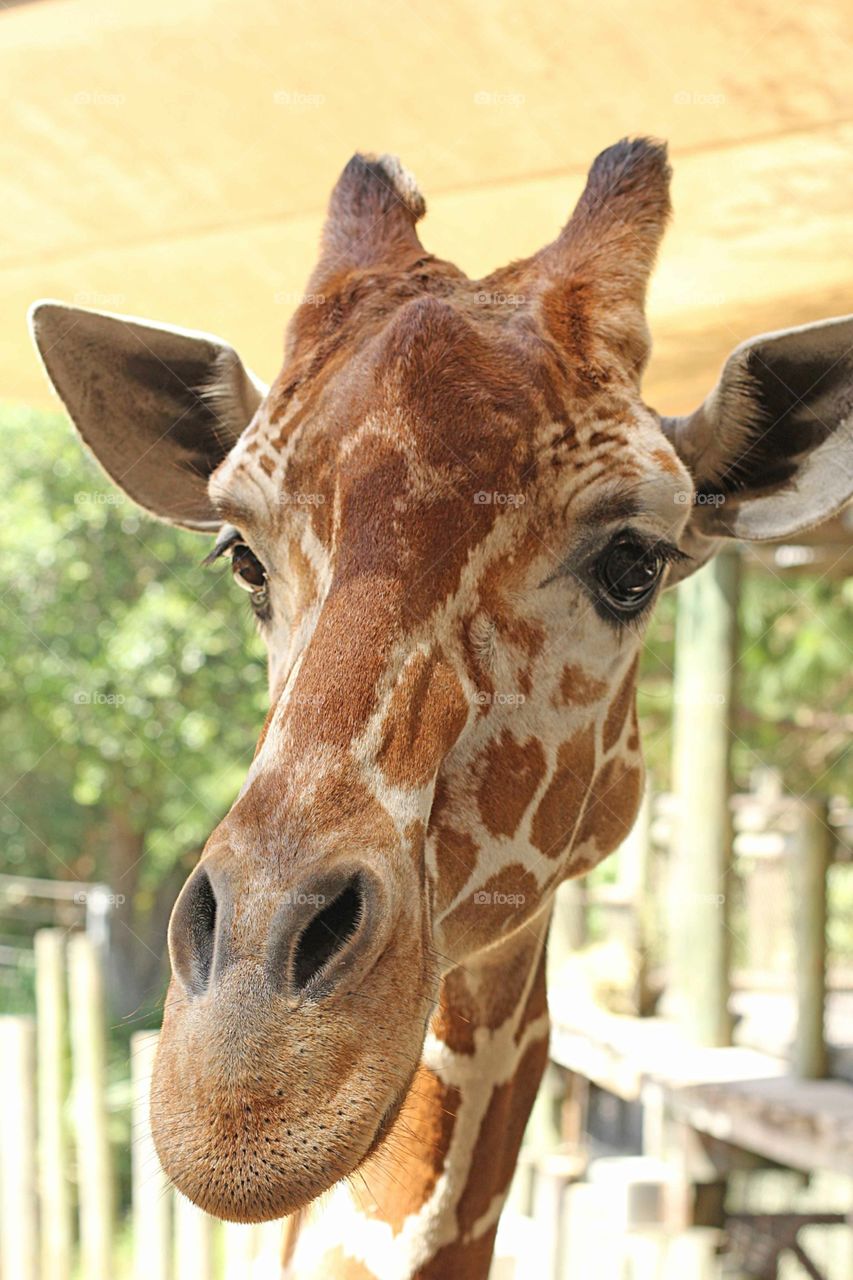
(452, 513)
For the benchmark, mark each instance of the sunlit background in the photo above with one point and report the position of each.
(172, 160)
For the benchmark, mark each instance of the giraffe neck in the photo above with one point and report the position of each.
(426, 1205)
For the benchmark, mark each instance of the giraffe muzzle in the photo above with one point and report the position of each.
(292, 1029)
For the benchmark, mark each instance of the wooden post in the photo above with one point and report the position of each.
(193, 1241)
(269, 1242)
(88, 1052)
(811, 860)
(151, 1235)
(694, 1253)
(705, 657)
(54, 1183)
(548, 1199)
(593, 1240)
(18, 1204)
(239, 1250)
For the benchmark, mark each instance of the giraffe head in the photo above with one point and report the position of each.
(452, 512)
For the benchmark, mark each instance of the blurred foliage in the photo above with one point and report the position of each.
(132, 685)
(794, 683)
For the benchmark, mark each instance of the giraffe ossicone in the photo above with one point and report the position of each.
(453, 513)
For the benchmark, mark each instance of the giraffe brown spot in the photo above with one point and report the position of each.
(613, 804)
(511, 772)
(560, 807)
(498, 907)
(461, 1260)
(455, 1019)
(599, 439)
(535, 1006)
(449, 372)
(427, 713)
(579, 689)
(302, 573)
(620, 708)
(504, 978)
(456, 856)
(668, 462)
(426, 1125)
(496, 1150)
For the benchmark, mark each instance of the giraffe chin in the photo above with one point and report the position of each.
(258, 1108)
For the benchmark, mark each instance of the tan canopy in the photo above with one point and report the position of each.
(172, 159)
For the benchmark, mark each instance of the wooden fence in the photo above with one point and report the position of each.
(58, 1213)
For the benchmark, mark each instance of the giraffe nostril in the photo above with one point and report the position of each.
(192, 932)
(327, 934)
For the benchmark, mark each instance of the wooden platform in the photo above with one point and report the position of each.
(736, 1095)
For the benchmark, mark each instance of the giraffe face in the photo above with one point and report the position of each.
(452, 512)
(452, 536)
(456, 547)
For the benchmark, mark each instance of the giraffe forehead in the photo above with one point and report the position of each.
(417, 480)
(454, 403)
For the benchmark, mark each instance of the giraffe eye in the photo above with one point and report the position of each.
(628, 573)
(247, 569)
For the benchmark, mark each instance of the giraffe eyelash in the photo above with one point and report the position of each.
(228, 535)
(231, 540)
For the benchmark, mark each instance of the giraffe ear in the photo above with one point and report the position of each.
(159, 407)
(771, 449)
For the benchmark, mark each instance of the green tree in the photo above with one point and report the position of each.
(794, 681)
(132, 688)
